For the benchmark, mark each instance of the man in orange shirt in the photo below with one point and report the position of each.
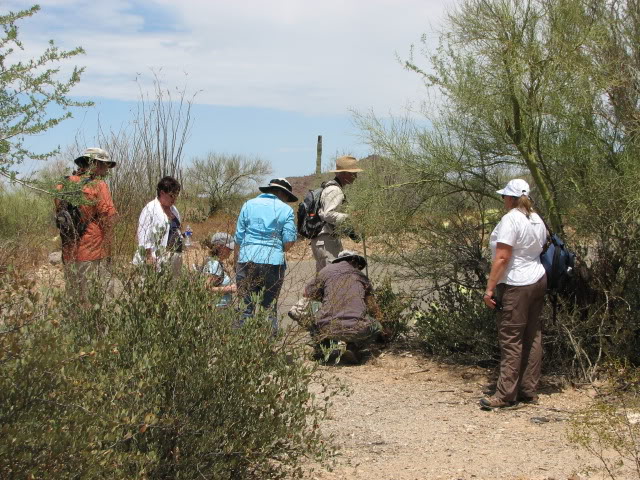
(83, 256)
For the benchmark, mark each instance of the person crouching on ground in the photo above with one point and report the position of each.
(221, 247)
(159, 236)
(264, 232)
(516, 287)
(347, 297)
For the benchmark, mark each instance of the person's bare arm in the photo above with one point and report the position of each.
(498, 267)
(213, 284)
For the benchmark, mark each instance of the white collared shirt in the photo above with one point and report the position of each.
(153, 232)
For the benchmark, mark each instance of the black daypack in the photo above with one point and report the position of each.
(69, 220)
(309, 222)
(559, 263)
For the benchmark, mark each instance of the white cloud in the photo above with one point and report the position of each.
(298, 55)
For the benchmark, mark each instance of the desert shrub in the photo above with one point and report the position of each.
(456, 323)
(26, 226)
(154, 383)
(609, 428)
(394, 307)
(24, 213)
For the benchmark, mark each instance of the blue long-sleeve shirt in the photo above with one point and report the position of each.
(264, 225)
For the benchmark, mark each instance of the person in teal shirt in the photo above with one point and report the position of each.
(264, 232)
(221, 247)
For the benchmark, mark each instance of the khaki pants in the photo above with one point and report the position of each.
(325, 248)
(80, 276)
(520, 338)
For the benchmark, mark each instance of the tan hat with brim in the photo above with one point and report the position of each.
(97, 154)
(347, 164)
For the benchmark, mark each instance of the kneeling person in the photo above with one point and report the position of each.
(347, 297)
(220, 247)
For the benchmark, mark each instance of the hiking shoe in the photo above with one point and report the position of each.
(494, 402)
(349, 357)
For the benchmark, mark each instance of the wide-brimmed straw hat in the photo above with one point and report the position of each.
(94, 153)
(280, 184)
(351, 255)
(515, 188)
(347, 164)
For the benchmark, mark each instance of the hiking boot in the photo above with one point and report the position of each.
(494, 402)
(350, 357)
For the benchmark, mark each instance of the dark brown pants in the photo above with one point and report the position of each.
(520, 338)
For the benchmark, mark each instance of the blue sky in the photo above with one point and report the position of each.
(271, 75)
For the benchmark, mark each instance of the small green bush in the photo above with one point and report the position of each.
(394, 307)
(156, 383)
(456, 322)
(609, 428)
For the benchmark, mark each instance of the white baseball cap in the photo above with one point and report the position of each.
(515, 188)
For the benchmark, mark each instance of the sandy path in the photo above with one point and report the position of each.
(412, 418)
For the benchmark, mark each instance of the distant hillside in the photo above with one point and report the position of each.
(301, 185)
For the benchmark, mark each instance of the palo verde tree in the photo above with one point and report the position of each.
(545, 89)
(28, 91)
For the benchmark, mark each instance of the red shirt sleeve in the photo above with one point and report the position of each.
(104, 202)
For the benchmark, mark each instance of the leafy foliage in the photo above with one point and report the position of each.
(612, 424)
(28, 90)
(545, 90)
(456, 324)
(156, 383)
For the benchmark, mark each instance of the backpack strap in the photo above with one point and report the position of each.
(326, 184)
(550, 234)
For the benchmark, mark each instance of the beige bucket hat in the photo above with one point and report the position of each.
(347, 164)
(95, 153)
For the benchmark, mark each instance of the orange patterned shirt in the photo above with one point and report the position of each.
(93, 245)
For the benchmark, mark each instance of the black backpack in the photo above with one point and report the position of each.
(309, 222)
(69, 220)
(559, 263)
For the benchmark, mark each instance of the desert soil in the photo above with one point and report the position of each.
(410, 417)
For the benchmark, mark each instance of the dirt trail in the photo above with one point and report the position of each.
(412, 418)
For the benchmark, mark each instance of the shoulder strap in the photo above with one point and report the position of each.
(328, 183)
(545, 224)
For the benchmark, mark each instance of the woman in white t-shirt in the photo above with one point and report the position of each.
(516, 288)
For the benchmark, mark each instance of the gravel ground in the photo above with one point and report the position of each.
(412, 418)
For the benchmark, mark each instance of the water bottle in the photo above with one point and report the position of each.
(187, 236)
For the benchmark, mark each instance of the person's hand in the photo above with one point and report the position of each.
(489, 299)
(233, 288)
